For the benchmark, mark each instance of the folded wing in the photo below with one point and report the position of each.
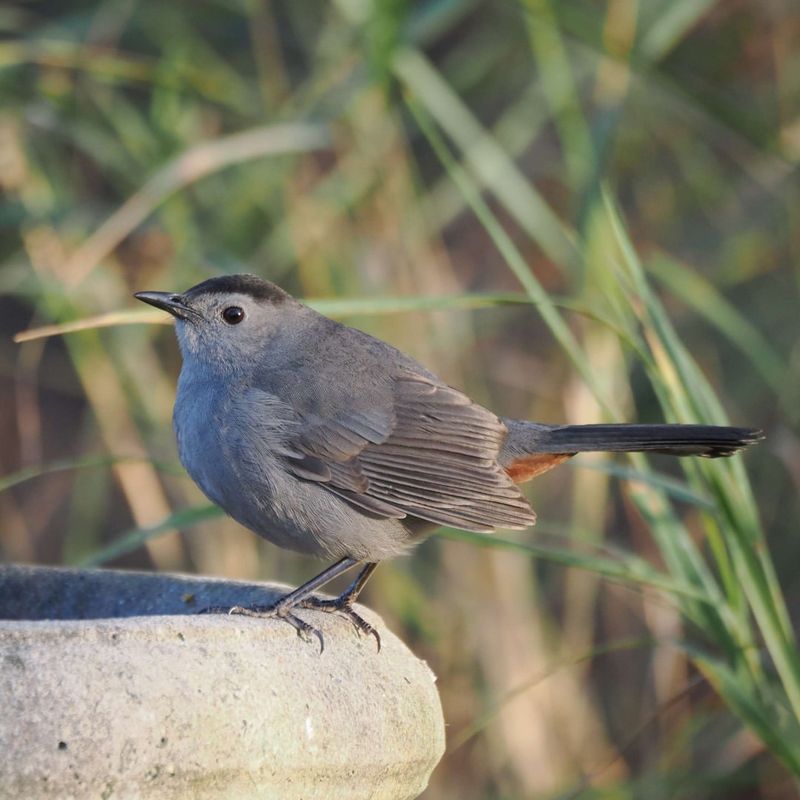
(432, 455)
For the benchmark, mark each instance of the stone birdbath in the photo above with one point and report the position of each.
(112, 686)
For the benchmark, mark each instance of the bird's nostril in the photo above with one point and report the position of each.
(175, 298)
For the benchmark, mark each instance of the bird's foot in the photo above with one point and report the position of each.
(304, 630)
(301, 597)
(343, 605)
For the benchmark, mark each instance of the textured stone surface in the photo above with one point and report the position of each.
(111, 687)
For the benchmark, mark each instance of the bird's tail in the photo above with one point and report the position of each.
(532, 448)
(710, 441)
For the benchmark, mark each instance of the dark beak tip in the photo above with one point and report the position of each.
(166, 301)
(150, 297)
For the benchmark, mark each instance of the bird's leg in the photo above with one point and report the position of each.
(343, 604)
(302, 598)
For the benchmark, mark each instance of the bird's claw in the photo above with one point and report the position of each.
(307, 632)
(343, 606)
(304, 630)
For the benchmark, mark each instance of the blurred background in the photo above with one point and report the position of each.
(574, 211)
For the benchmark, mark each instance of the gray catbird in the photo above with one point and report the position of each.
(325, 440)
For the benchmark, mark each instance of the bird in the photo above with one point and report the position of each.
(330, 442)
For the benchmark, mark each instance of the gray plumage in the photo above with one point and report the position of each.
(328, 441)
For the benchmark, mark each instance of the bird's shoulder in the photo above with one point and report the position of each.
(326, 369)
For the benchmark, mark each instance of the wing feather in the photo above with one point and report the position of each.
(433, 457)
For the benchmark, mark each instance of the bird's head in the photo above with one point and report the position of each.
(225, 323)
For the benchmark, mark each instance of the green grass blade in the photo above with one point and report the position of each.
(484, 156)
(133, 539)
(751, 560)
(677, 489)
(511, 254)
(64, 465)
(765, 715)
(628, 568)
(668, 29)
(708, 302)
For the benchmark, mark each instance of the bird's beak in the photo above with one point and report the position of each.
(174, 304)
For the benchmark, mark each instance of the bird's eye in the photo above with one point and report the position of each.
(233, 315)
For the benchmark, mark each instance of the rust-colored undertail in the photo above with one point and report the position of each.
(527, 467)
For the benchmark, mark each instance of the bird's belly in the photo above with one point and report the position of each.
(305, 517)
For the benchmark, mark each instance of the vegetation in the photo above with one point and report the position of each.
(573, 211)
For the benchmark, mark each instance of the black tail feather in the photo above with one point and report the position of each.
(710, 441)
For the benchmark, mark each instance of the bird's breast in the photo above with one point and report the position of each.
(199, 422)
